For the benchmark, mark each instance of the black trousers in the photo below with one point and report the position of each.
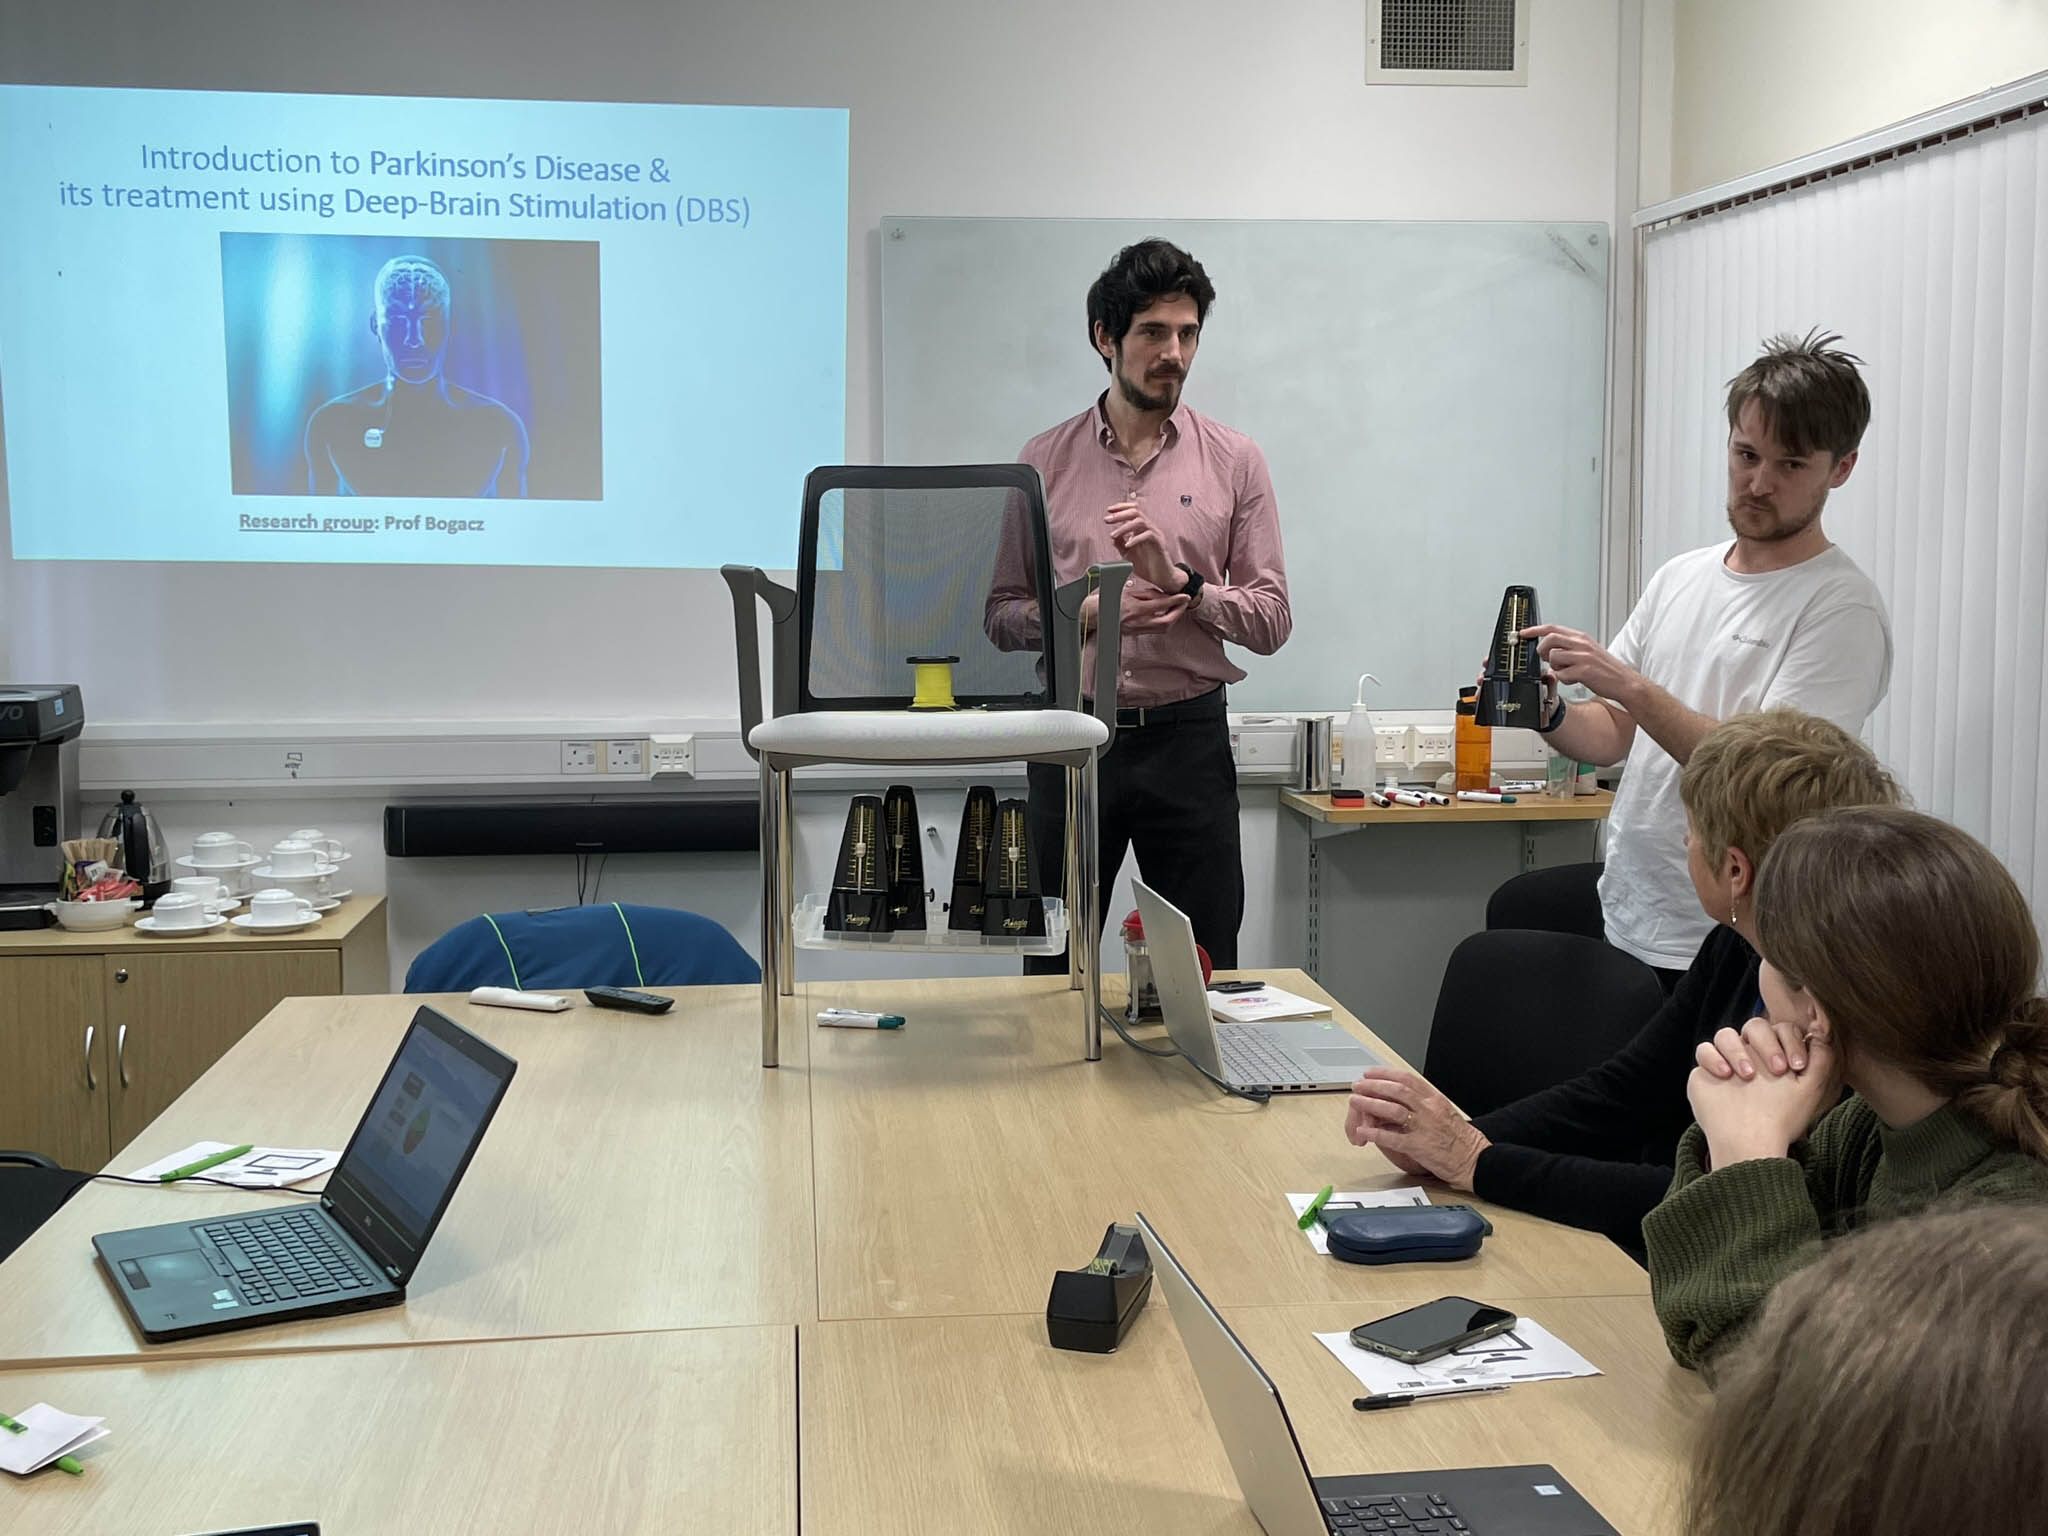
(1168, 789)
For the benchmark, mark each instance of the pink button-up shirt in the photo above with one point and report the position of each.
(1207, 491)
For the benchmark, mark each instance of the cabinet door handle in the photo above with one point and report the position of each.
(122, 974)
(91, 1082)
(121, 1053)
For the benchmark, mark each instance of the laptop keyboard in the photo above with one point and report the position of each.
(1249, 1056)
(282, 1256)
(1388, 1514)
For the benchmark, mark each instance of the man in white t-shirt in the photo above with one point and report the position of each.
(1781, 616)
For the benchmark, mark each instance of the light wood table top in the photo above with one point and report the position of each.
(1319, 808)
(642, 1433)
(333, 928)
(643, 1172)
(963, 1159)
(977, 1424)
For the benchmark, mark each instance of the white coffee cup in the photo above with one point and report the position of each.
(293, 857)
(279, 907)
(312, 887)
(206, 887)
(328, 848)
(217, 850)
(179, 909)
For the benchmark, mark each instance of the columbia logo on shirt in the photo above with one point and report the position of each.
(1741, 639)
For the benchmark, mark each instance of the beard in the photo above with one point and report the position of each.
(1134, 394)
(1770, 524)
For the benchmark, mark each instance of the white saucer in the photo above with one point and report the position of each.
(224, 907)
(317, 872)
(186, 861)
(327, 904)
(337, 897)
(248, 924)
(148, 925)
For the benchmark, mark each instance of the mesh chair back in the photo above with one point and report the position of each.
(900, 561)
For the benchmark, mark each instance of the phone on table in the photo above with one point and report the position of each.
(1237, 986)
(1432, 1329)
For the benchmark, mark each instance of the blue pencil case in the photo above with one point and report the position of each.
(1407, 1234)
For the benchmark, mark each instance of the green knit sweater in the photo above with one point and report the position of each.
(1719, 1241)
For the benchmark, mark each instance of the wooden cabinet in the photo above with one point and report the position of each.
(100, 1032)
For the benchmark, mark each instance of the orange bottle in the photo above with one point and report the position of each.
(1472, 744)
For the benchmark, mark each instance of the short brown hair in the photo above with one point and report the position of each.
(1754, 775)
(1811, 396)
(1891, 1388)
(1919, 947)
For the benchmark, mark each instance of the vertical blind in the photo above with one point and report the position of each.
(1933, 266)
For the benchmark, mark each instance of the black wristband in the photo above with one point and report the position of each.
(1196, 581)
(1563, 708)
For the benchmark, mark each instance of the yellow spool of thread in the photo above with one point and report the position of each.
(934, 686)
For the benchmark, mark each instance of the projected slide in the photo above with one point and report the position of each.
(241, 327)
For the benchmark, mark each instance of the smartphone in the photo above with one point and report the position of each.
(1236, 986)
(1432, 1329)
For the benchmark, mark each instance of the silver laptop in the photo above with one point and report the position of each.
(1279, 1055)
(1286, 1500)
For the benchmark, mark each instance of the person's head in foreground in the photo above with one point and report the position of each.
(1897, 1387)
(1901, 941)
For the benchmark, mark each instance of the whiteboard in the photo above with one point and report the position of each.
(1429, 397)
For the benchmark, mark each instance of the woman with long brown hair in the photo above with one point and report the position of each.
(1900, 960)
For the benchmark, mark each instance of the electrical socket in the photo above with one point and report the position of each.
(1433, 746)
(1390, 746)
(672, 755)
(627, 757)
(579, 756)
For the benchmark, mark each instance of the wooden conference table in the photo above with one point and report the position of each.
(869, 1230)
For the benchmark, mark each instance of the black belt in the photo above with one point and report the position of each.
(1203, 706)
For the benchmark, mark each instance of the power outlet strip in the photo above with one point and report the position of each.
(627, 758)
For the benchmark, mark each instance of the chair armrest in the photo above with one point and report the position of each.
(27, 1159)
(1108, 581)
(750, 585)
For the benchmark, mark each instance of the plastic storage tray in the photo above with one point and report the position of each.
(809, 924)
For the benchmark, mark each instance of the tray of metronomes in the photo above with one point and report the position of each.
(879, 899)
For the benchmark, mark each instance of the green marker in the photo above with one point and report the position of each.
(211, 1160)
(69, 1464)
(1315, 1207)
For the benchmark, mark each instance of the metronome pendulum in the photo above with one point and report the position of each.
(905, 858)
(1511, 689)
(970, 860)
(860, 894)
(933, 682)
(1013, 907)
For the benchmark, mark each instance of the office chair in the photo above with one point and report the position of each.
(32, 1188)
(1562, 899)
(1520, 1010)
(605, 945)
(895, 562)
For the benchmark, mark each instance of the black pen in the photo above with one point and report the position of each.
(1401, 1399)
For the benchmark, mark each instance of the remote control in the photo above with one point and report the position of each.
(631, 1001)
(505, 997)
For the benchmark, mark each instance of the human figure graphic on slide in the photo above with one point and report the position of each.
(413, 433)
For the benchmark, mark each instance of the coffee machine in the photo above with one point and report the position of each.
(39, 726)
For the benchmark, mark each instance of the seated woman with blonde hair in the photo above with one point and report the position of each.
(1895, 1387)
(1898, 959)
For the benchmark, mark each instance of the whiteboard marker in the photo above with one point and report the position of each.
(851, 1018)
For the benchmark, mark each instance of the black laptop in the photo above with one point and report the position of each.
(358, 1246)
(1259, 1438)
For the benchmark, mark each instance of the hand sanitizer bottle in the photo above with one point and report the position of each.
(1361, 747)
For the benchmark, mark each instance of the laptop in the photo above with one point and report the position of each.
(1286, 1500)
(356, 1248)
(1278, 1055)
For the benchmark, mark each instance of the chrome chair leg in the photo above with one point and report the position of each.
(1086, 934)
(785, 812)
(773, 900)
(1072, 882)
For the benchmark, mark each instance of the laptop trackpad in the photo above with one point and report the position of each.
(183, 1266)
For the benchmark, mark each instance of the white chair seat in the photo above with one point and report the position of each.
(901, 736)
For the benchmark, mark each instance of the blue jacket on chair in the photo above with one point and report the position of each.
(610, 945)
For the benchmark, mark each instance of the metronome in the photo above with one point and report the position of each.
(1013, 907)
(970, 860)
(860, 893)
(904, 858)
(1511, 690)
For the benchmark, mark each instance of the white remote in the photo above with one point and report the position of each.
(505, 997)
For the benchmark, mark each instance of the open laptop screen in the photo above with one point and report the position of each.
(422, 1127)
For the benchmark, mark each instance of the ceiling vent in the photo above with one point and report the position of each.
(1447, 42)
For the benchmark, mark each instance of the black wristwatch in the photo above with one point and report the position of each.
(1196, 581)
(1563, 708)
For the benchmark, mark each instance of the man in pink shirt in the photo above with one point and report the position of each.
(1188, 502)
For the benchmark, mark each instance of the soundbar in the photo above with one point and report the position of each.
(454, 829)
